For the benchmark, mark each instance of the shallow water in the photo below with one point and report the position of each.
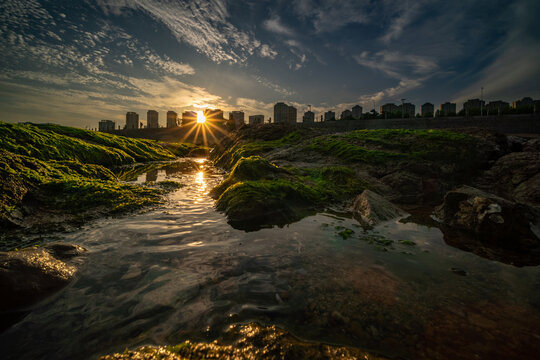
(179, 271)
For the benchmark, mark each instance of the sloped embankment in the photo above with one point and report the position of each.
(52, 174)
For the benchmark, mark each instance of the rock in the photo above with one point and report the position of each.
(491, 218)
(407, 185)
(515, 176)
(371, 209)
(29, 275)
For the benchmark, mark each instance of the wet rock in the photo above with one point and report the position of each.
(248, 342)
(406, 184)
(515, 176)
(491, 218)
(371, 209)
(29, 275)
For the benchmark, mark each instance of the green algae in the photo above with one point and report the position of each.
(345, 234)
(187, 149)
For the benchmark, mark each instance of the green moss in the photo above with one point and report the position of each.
(54, 142)
(170, 185)
(407, 242)
(345, 234)
(187, 149)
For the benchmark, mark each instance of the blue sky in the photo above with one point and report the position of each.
(76, 62)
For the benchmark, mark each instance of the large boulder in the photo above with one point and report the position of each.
(492, 219)
(29, 275)
(407, 185)
(515, 176)
(371, 209)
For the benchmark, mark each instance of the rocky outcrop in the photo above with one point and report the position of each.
(29, 275)
(371, 209)
(251, 341)
(490, 218)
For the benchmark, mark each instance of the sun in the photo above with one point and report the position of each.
(201, 119)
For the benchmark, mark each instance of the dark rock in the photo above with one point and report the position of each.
(29, 275)
(371, 209)
(515, 176)
(407, 185)
(490, 218)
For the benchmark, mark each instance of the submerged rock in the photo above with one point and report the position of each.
(371, 209)
(247, 342)
(29, 275)
(491, 218)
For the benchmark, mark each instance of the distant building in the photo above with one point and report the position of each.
(189, 118)
(172, 119)
(292, 116)
(357, 112)
(152, 121)
(106, 125)
(132, 120)
(497, 107)
(256, 119)
(346, 114)
(309, 117)
(407, 109)
(428, 109)
(214, 115)
(473, 105)
(388, 109)
(525, 102)
(447, 109)
(329, 116)
(281, 113)
(237, 117)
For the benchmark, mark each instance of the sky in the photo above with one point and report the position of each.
(75, 62)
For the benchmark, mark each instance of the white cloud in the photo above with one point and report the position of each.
(331, 15)
(274, 25)
(168, 65)
(267, 51)
(271, 85)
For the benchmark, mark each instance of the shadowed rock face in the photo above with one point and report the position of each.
(247, 342)
(371, 209)
(29, 275)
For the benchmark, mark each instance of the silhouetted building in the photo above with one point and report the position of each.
(357, 112)
(309, 117)
(329, 116)
(473, 105)
(525, 102)
(237, 117)
(292, 115)
(407, 109)
(214, 115)
(281, 113)
(106, 125)
(189, 117)
(256, 119)
(428, 109)
(388, 109)
(132, 120)
(346, 114)
(497, 107)
(172, 119)
(152, 121)
(447, 109)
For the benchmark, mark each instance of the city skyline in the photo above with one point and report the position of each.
(76, 63)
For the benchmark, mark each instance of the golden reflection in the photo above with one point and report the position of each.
(201, 181)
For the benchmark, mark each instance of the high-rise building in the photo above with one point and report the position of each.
(448, 109)
(388, 109)
(346, 114)
(256, 119)
(309, 117)
(214, 115)
(292, 116)
(189, 118)
(132, 120)
(152, 121)
(357, 112)
(172, 119)
(329, 115)
(428, 110)
(237, 117)
(106, 125)
(497, 107)
(525, 102)
(407, 109)
(281, 113)
(473, 105)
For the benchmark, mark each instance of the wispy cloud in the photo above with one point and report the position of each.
(274, 25)
(271, 85)
(331, 15)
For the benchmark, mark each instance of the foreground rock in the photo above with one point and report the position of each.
(371, 209)
(29, 275)
(250, 342)
(491, 219)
